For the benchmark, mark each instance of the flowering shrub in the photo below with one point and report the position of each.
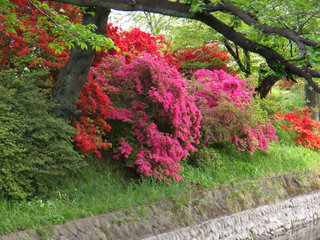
(131, 43)
(287, 84)
(91, 126)
(188, 60)
(155, 123)
(304, 130)
(229, 114)
(26, 35)
(29, 44)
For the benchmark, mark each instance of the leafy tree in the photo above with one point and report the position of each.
(264, 33)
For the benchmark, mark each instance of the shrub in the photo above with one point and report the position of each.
(304, 130)
(155, 123)
(131, 43)
(91, 126)
(36, 149)
(209, 56)
(26, 35)
(229, 114)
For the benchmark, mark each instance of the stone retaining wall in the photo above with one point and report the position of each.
(250, 210)
(265, 222)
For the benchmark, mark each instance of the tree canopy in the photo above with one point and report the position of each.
(293, 21)
(284, 33)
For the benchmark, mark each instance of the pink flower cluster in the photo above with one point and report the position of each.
(217, 82)
(155, 121)
(228, 112)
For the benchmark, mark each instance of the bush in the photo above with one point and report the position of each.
(155, 124)
(190, 59)
(229, 114)
(91, 126)
(304, 130)
(36, 149)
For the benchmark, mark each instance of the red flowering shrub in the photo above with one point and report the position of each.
(286, 84)
(91, 126)
(304, 130)
(229, 114)
(26, 34)
(29, 42)
(155, 123)
(131, 43)
(188, 60)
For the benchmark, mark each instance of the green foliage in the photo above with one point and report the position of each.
(103, 186)
(293, 98)
(229, 166)
(204, 157)
(35, 148)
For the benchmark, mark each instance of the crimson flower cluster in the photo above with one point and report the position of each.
(190, 59)
(304, 130)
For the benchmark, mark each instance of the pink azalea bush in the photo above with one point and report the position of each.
(229, 114)
(155, 124)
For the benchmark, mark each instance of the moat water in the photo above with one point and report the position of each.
(309, 232)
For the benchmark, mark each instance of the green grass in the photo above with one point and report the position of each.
(104, 187)
(97, 191)
(231, 166)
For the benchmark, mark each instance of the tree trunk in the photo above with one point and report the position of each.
(74, 75)
(312, 98)
(266, 85)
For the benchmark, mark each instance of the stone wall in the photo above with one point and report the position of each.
(250, 210)
(267, 222)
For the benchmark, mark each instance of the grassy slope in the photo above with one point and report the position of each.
(105, 187)
(99, 190)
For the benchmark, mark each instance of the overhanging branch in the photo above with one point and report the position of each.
(272, 57)
(177, 9)
(164, 7)
(252, 21)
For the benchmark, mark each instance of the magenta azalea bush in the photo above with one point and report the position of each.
(229, 114)
(155, 124)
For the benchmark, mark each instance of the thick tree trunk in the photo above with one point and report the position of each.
(312, 98)
(74, 75)
(266, 85)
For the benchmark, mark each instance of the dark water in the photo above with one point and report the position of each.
(309, 232)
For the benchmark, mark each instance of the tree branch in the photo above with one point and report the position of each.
(176, 9)
(235, 55)
(251, 21)
(164, 7)
(272, 57)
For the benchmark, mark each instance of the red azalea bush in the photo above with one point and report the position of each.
(29, 41)
(155, 123)
(304, 130)
(131, 43)
(188, 60)
(26, 34)
(286, 84)
(229, 114)
(91, 125)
